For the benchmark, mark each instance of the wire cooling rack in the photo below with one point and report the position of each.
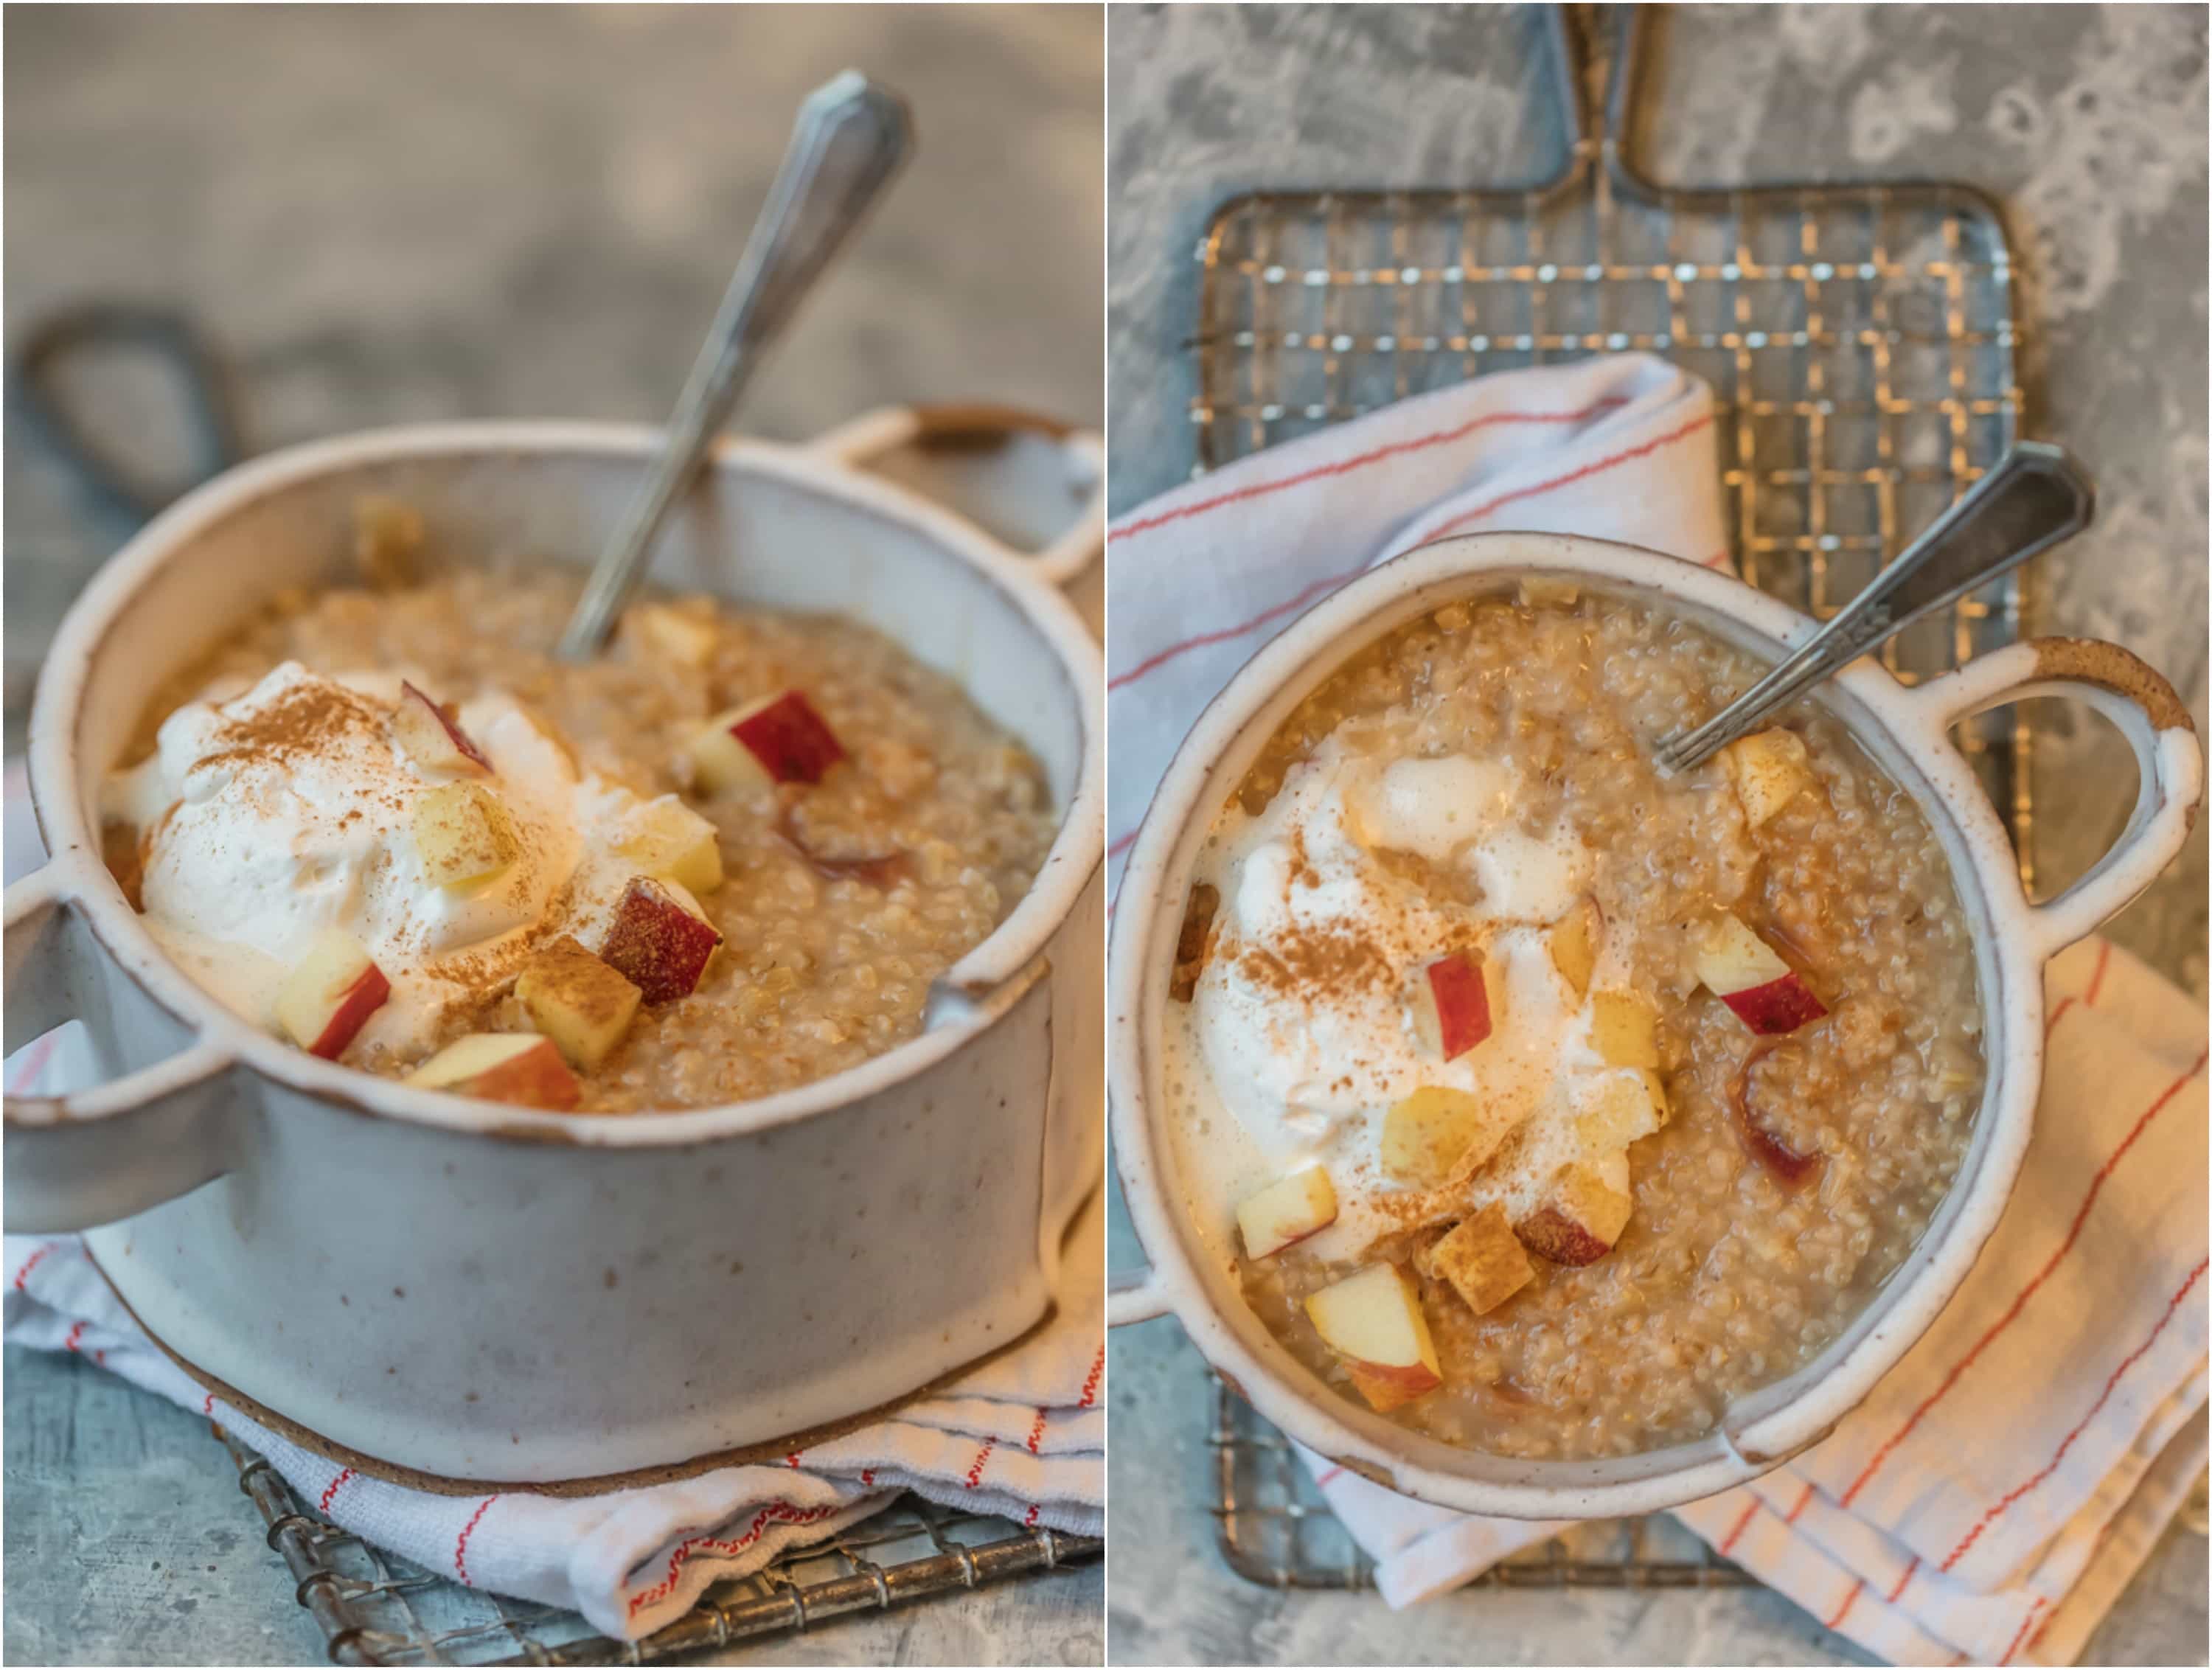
(1859, 341)
(1860, 346)
(375, 1608)
(1277, 1529)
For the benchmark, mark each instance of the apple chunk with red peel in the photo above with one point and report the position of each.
(780, 738)
(1286, 1211)
(1792, 1168)
(330, 996)
(1745, 973)
(1770, 769)
(1373, 1319)
(660, 941)
(464, 835)
(1582, 1218)
(519, 1068)
(433, 738)
(578, 1002)
(1452, 1005)
(1483, 1261)
(669, 840)
(1573, 942)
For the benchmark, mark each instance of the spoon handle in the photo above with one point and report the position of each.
(2035, 496)
(848, 142)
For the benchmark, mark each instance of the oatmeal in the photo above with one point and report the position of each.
(726, 857)
(1558, 1105)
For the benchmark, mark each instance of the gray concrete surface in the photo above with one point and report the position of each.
(385, 214)
(2090, 123)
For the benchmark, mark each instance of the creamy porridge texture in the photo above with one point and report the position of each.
(724, 860)
(1558, 1105)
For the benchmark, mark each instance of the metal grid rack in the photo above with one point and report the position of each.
(375, 1608)
(1859, 341)
(1277, 1529)
(1860, 346)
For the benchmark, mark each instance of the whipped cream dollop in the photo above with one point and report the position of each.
(1302, 1024)
(270, 815)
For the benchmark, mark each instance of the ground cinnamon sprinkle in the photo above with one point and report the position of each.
(302, 720)
(1304, 961)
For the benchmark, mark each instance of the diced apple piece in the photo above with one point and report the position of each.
(1770, 769)
(1373, 1319)
(577, 1001)
(1730, 958)
(1582, 1217)
(1573, 941)
(1622, 1107)
(1287, 1210)
(778, 739)
(682, 638)
(1483, 1261)
(330, 996)
(463, 834)
(1451, 1005)
(1792, 1167)
(846, 841)
(433, 738)
(670, 841)
(1744, 972)
(661, 939)
(1432, 1135)
(517, 1067)
(1623, 1030)
(1553, 593)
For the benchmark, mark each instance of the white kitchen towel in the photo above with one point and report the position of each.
(1197, 580)
(1023, 1435)
(1993, 1496)
(1994, 1493)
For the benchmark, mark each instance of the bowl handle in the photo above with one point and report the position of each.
(1134, 1296)
(2169, 765)
(96, 1156)
(1032, 486)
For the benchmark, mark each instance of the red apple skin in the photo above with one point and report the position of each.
(793, 742)
(656, 945)
(1551, 1234)
(1792, 1170)
(1392, 1386)
(460, 737)
(1463, 1001)
(530, 1078)
(356, 1004)
(1780, 1006)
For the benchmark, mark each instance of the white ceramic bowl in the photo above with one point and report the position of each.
(462, 1293)
(1906, 730)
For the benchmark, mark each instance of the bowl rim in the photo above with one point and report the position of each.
(1877, 1335)
(1009, 961)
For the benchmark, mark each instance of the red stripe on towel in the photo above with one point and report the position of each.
(2012, 1313)
(1997, 1509)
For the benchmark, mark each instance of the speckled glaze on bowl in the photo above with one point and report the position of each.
(458, 1293)
(1906, 730)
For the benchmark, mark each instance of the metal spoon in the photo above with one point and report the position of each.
(2036, 495)
(848, 142)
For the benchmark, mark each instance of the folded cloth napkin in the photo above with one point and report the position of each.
(1199, 579)
(1023, 1436)
(1995, 1492)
